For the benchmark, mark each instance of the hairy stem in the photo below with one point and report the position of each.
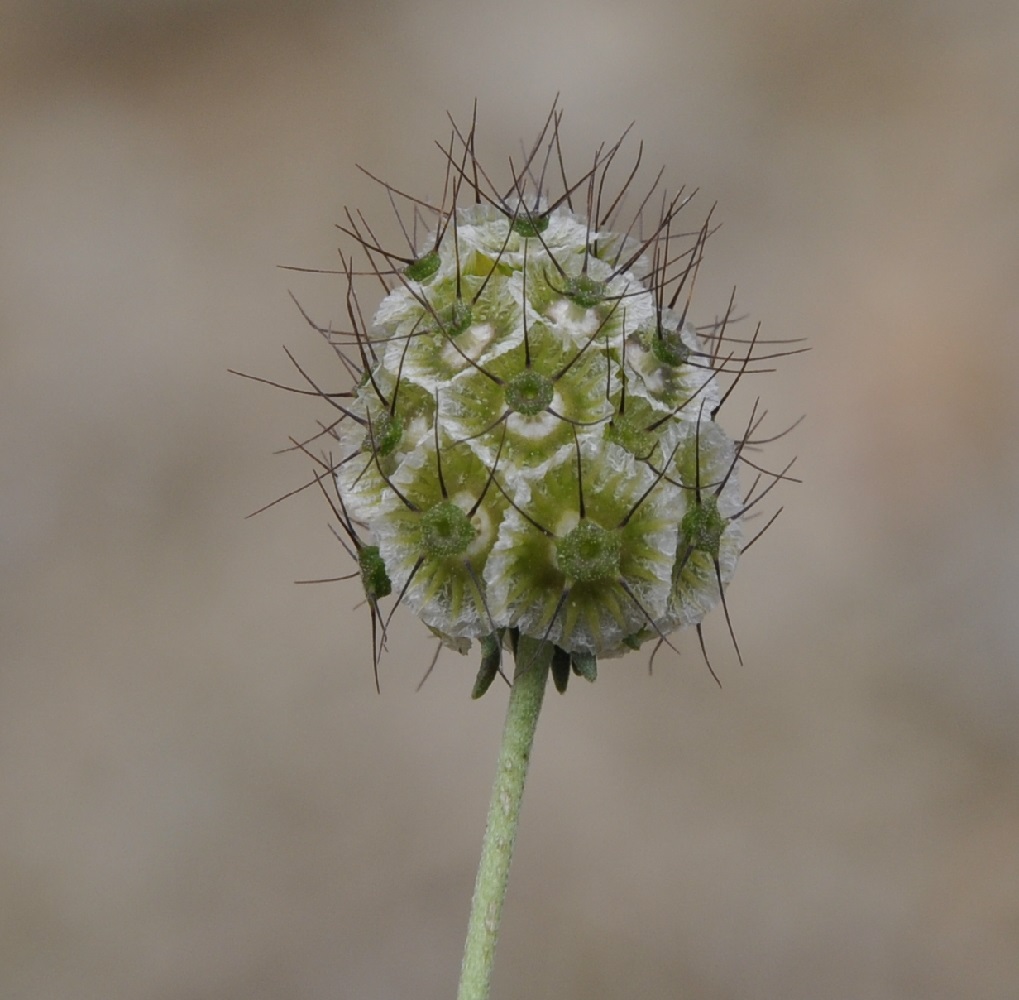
(529, 681)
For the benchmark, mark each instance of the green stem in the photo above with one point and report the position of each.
(533, 659)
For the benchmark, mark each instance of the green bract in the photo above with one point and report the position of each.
(531, 447)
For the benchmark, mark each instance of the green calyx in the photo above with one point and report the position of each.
(491, 661)
(529, 393)
(386, 432)
(424, 267)
(374, 577)
(457, 318)
(668, 348)
(529, 226)
(585, 291)
(563, 662)
(702, 527)
(631, 435)
(446, 530)
(560, 669)
(636, 640)
(589, 553)
(585, 665)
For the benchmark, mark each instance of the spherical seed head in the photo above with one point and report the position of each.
(532, 445)
(521, 348)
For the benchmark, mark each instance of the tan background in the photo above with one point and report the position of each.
(201, 796)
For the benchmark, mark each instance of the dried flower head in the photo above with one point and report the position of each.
(532, 446)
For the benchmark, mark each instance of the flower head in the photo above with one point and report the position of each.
(532, 446)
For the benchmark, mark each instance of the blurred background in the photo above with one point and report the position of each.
(201, 794)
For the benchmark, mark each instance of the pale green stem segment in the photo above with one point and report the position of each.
(529, 681)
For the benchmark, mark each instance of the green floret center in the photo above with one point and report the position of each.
(529, 393)
(386, 432)
(585, 291)
(669, 349)
(457, 318)
(530, 226)
(589, 553)
(446, 530)
(703, 526)
(424, 267)
(631, 435)
(374, 577)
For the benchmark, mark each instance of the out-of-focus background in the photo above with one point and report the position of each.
(201, 794)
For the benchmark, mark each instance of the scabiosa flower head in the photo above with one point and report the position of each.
(532, 444)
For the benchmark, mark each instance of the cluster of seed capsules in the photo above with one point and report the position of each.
(531, 447)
